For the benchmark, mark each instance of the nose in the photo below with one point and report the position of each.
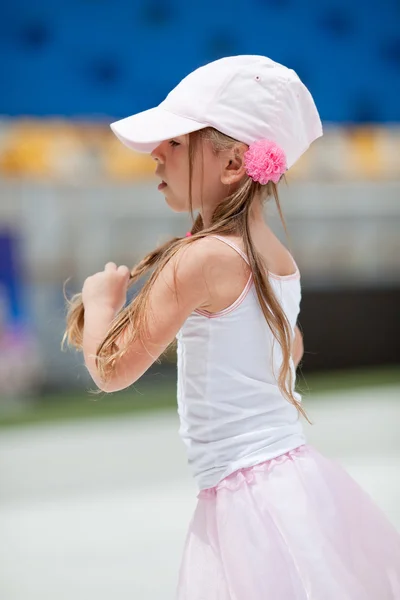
(157, 154)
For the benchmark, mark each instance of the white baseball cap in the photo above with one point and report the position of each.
(247, 97)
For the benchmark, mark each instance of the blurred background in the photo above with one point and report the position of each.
(95, 494)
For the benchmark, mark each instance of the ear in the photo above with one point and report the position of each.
(232, 166)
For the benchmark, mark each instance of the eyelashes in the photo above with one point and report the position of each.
(173, 143)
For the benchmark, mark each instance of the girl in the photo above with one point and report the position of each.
(274, 518)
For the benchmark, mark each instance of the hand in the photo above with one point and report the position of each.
(107, 288)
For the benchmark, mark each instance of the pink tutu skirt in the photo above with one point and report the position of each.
(296, 527)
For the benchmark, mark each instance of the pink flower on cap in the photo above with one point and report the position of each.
(265, 161)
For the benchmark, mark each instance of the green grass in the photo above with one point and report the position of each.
(78, 405)
(147, 396)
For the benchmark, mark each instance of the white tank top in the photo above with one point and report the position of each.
(232, 413)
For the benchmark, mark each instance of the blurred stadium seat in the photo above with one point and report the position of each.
(115, 58)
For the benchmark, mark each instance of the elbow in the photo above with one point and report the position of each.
(120, 379)
(105, 386)
(109, 386)
(113, 385)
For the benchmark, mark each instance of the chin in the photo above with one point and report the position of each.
(176, 206)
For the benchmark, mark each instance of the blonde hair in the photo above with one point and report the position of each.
(230, 217)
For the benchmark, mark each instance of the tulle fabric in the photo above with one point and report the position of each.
(296, 527)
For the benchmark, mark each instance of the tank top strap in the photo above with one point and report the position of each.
(232, 245)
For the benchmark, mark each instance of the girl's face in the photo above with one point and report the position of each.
(208, 188)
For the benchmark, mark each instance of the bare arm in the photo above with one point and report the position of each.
(298, 346)
(170, 303)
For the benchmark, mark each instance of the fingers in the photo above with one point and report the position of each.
(122, 269)
(110, 266)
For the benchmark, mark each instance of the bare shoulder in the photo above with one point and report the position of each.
(219, 269)
(191, 269)
(208, 256)
(210, 272)
(196, 258)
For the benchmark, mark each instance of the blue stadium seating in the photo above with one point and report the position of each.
(110, 58)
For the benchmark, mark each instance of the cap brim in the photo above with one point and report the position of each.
(144, 131)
